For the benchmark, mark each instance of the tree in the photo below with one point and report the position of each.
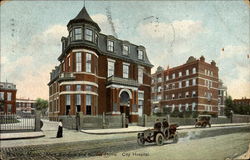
(229, 106)
(41, 105)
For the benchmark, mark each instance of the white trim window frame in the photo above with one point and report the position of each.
(88, 62)
(140, 75)
(111, 68)
(78, 33)
(110, 46)
(125, 50)
(125, 70)
(88, 35)
(140, 54)
(78, 61)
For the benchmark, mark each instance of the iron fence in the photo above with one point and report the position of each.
(14, 123)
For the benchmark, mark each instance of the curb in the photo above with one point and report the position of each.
(21, 137)
(106, 133)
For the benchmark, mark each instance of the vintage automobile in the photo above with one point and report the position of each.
(160, 133)
(203, 121)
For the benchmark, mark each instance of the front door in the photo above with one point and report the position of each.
(124, 105)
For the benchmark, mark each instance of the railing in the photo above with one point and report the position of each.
(14, 123)
(123, 81)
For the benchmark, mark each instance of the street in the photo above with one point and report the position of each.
(208, 143)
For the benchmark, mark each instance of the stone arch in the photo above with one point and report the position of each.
(125, 90)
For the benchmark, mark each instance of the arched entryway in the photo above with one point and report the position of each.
(125, 96)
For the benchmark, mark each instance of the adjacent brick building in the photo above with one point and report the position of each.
(7, 97)
(25, 106)
(191, 86)
(99, 74)
(242, 101)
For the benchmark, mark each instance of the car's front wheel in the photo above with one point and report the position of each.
(159, 139)
(141, 141)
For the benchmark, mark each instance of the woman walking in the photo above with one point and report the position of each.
(60, 129)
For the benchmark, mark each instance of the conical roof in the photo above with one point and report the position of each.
(83, 16)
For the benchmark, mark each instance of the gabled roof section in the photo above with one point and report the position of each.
(83, 16)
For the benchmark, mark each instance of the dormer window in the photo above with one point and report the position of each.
(78, 33)
(110, 46)
(88, 35)
(140, 54)
(125, 50)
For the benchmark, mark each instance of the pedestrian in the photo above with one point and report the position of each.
(60, 129)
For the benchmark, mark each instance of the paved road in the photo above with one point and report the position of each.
(118, 146)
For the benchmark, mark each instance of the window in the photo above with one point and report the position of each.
(111, 68)
(194, 70)
(212, 73)
(166, 78)
(140, 95)
(193, 106)
(78, 62)
(68, 99)
(173, 107)
(9, 96)
(88, 62)
(1, 95)
(71, 35)
(125, 50)
(180, 74)
(88, 88)
(140, 54)
(194, 82)
(173, 76)
(78, 33)
(9, 107)
(111, 46)
(158, 97)
(88, 35)
(67, 88)
(88, 104)
(140, 75)
(187, 72)
(167, 86)
(186, 107)
(166, 96)
(125, 70)
(187, 83)
(179, 95)
(96, 38)
(78, 99)
(159, 79)
(187, 94)
(180, 84)
(173, 85)
(159, 89)
(173, 96)
(78, 87)
(194, 94)
(180, 109)
(69, 61)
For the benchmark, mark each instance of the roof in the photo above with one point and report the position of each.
(83, 16)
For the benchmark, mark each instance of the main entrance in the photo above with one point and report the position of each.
(124, 104)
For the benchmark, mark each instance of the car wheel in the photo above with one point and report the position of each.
(141, 141)
(159, 139)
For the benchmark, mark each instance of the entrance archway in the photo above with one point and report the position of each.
(125, 96)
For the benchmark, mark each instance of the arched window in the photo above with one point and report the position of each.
(194, 70)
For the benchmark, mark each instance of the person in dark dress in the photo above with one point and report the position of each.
(60, 130)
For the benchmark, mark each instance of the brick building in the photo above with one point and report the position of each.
(99, 73)
(7, 97)
(242, 101)
(192, 86)
(25, 106)
(222, 95)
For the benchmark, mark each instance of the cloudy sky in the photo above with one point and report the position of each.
(171, 31)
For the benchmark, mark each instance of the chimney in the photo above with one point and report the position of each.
(202, 58)
(213, 63)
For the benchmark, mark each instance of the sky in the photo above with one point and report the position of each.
(171, 31)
